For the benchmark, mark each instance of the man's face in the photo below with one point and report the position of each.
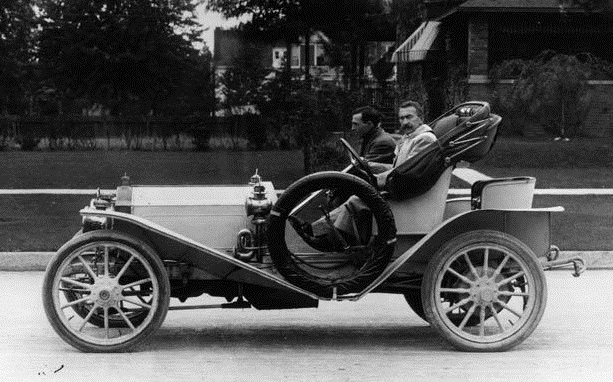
(360, 127)
(409, 120)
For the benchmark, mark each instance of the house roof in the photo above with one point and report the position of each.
(513, 6)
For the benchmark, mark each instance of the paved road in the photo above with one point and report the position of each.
(378, 338)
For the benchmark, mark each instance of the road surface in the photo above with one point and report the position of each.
(377, 338)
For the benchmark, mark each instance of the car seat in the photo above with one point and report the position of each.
(465, 133)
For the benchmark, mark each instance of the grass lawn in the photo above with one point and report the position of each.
(45, 222)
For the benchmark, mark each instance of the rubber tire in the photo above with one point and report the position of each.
(413, 298)
(378, 258)
(456, 245)
(96, 236)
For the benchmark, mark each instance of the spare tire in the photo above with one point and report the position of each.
(374, 257)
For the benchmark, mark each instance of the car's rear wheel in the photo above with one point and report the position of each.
(484, 291)
(330, 269)
(105, 291)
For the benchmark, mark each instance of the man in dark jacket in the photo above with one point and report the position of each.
(377, 145)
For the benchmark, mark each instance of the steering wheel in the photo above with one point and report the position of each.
(359, 163)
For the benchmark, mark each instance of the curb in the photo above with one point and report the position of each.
(37, 261)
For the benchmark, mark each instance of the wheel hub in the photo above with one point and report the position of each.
(484, 291)
(106, 292)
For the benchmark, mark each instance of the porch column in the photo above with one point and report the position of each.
(478, 33)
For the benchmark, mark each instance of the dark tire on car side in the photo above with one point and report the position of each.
(376, 256)
(413, 298)
(105, 291)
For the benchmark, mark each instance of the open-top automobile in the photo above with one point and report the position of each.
(472, 267)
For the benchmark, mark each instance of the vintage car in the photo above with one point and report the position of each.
(471, 267)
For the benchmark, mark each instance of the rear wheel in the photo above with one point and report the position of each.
(105, 291)
(484, 291)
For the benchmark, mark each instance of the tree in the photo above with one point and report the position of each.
(129, 55)
(550, 89)
(17, 22)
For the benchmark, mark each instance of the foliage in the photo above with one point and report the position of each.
(347, 23)
(17, 21)
(329, 154)
(302, 116)
(550, 89)
(131, 56)
(240, 84)
(456, 86)
(588, 5)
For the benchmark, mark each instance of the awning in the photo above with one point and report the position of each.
(418, 44)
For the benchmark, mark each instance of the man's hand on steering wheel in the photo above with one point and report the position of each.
(360, 165)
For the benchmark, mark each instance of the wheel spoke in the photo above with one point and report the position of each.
(482, 321)
(486, 255)
(75, 302)
(461, 277)
(89, 315)
(455, 290)
(471, 266)
(505, 306)
(509, 279)
(142, 305)
(106, 260)
(126, 319)
(87, 267)
(495, 314)
(458, 304)
(135, 283)
(77, 283)
(106, 322)
(125, 267)
(507, 293)
(467, 317)
(502, 264)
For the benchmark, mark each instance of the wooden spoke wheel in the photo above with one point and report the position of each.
(484, 291)
(105, 292)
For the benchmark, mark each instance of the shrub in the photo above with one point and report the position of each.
(550, 90)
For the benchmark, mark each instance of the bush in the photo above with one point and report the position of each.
(228, 142)
(550, 90)
(28, 143)
(329, 154)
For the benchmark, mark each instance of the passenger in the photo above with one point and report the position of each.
(377, 145)
(353, 219)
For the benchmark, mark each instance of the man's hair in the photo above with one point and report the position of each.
(369, 114)
(416, 105)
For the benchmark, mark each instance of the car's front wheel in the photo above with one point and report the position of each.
(105, 291)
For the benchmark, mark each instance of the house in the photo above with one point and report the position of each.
(470, 37)
(229, 44)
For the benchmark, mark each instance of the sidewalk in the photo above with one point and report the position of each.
(37, 261)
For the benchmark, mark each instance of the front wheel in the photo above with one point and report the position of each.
(105, 291)
(484, 291)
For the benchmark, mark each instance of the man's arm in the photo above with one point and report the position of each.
(417, 145)
(377, 168)
(381, 150)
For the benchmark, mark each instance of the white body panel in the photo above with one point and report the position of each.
(421, 214)
(207, 214)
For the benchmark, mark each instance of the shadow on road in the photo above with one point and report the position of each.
(275, 338)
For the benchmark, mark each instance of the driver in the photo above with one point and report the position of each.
(377, 145)
(353, 220)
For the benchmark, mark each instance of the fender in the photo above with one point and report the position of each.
(531, 226)
(171, 245)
